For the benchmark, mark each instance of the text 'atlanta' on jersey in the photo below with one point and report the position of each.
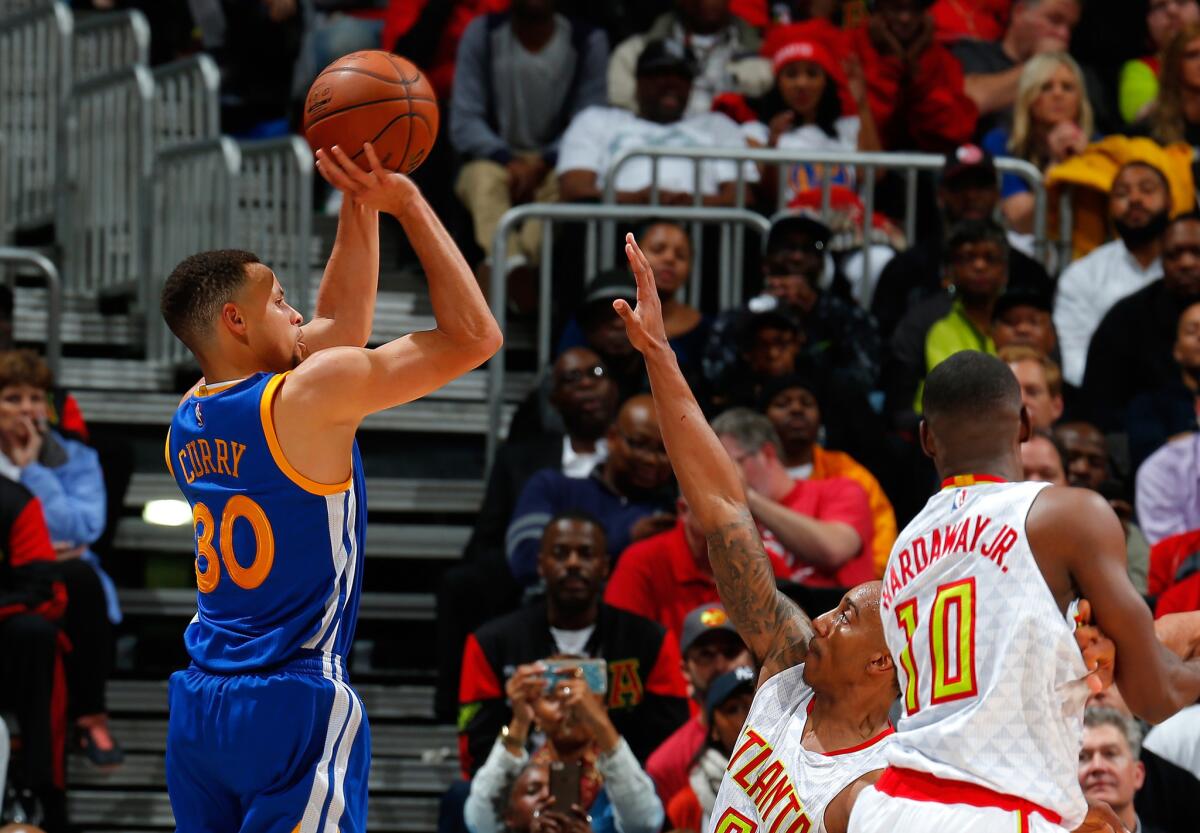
(991, 678)
(265, 734)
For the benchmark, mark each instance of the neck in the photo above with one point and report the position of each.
(568, 754)
(1146, 253)
(533, 32)
(700, 28)
(1005, 467)
(1191, 381)
(226, 369)
(1009, 47)
(1128, 816)
(583, 445)
(780, 484)
(800, 455)
(979, 313)
(571, 618)
(853, 716)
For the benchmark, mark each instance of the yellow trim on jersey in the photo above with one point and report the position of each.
(209, 390)
(167, 452)
(268, 424)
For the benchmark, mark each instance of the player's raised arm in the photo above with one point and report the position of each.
(774, 627)
(1078, 530)
(346, 297)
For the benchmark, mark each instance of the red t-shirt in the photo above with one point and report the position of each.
(659, 578)
(837, 499)
(668, 765)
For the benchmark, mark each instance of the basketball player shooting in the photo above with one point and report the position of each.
(265, 734)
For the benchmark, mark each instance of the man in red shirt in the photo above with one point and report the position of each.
(710, 646)
(822, 528)
(667, 575)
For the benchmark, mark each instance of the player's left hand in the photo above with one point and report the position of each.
(1099, 652)
(380, 189)
(643, 323)
(1100, 818)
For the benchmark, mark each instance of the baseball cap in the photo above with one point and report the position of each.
(801, 222)
(1023, 297)
(775, 386)
(808, 41)
(666, 55)
(610, 285)
(969, 161)
(725, 686)
(701, 620)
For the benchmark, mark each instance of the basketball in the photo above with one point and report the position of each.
(377, 97)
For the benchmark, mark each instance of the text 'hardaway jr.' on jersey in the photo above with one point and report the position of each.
(278, 556)
(773, 784)
(991, 679)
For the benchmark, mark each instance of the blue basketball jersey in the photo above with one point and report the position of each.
(278, 556)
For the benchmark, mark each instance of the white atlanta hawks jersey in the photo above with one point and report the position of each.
(991, 679)
(772, 783)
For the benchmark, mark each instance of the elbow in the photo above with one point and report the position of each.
(489, 342)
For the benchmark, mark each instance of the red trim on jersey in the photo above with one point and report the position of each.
(922, 786)
(889, 730)
(970, 480)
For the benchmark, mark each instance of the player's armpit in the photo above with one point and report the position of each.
(774, 627)
(837, 812)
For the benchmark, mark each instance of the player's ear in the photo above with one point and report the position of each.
(881, 663)
(1026, 424)
(232, 319)
(928, 445)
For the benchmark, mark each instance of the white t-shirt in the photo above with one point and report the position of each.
(1178, 740)
(572, 642)
(598, 135)
(803, 176)
(579, 465)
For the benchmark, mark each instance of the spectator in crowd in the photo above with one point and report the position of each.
(525, 798)
(1175, 115)
(1157, 415)
(1174, 582)
(1140, 207)
(629, 492)
(1052, 121)
(967, 191)
(793, 405)
(615, 795)
(647, 696)
(668, 247)
(1022, 319)
(725, 708)
(1109, 769)
(1168, 489)
(804, 111)
(337, 28)
(711, 647)
(1177, 739)
(822, 528)
(427, 32)
(1087, 464)
(33, 601)
(983, 20)
(64, 475)
(667, 575)
(1042, 459)
(1138, 86)
(914, 84)
(598, 135)
(839, 337)
(1041, 384)
(727, 47)
(583, 401)
(993, 68)
(1133, 349)
(521, 78)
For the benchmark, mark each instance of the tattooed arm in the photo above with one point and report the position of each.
(773, 626)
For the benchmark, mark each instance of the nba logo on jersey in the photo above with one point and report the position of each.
(960, 499)
(199, 416)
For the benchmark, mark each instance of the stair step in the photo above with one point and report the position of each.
(152, 810)
(423, 416)
(383, 540)
(387, 740)
(179, 602)
(391, 702)
(386, 494)
(81, 321)
(124, 375)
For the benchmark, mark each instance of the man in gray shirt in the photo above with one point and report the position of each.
(520, 78)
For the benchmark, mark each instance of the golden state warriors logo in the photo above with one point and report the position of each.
(714, 617)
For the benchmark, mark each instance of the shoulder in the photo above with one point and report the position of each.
(600, 117)
(618, 621)
(1067, 515)
(502, 629)
(550, 480)
(1084, 268)
(995, 141)
(629, 49)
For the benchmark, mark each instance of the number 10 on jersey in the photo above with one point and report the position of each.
(951, 646)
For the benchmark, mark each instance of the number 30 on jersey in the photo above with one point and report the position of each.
(951, 646)
(238, 508)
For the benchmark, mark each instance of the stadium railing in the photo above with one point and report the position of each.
(108, 148)
(907, 165)
(729, 273)
(35, 78)
(105, 42)
(29, 259)
(187, 104)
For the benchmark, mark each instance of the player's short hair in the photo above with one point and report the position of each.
(970, 382)
(24, 367)
(1015, 353)
(751, 429)
(198, 288)
(1127, 726)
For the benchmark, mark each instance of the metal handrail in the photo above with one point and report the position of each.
(54, 293)
(105, 42)
(187, 105)
(910, 163)
(590, 214)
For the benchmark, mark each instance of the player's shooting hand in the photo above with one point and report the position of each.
(643, 323)
(1099, 652)
(379, 188)
(1100, 818)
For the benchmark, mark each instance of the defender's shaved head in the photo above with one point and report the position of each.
(970, 382)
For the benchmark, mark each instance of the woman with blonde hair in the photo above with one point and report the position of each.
(1175, 117)
(1052, 121)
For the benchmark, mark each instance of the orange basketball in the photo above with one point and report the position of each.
(377, 97)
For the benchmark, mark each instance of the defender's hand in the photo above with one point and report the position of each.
(644, 324)
(380, 189)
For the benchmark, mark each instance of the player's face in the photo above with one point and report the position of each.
(272, 325)
(712, 655)
(530, 794)
(1187, 339)
(1040, 460)
(728, 719)
(21, 405)
(1107, 769)
(796, 416)
(845, 640)
(573, 562)
(1044, 408)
